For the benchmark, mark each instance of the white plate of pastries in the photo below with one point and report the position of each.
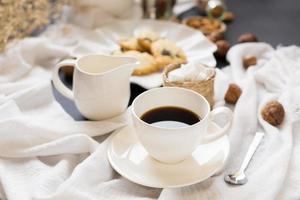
(154, 43)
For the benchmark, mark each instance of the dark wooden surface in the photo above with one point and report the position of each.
(273, 21)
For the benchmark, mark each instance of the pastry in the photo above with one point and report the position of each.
(233, 93)
(167, 52)
(153, 52)
(130, 44)
(146, 38)
(205, 25)
(147, 62)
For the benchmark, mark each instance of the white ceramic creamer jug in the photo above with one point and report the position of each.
(101, 86)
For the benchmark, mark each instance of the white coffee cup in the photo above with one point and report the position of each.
(172, 145)
(101, 86)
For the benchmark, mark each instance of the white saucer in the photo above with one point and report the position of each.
(129, 158)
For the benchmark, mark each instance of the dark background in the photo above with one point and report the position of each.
(273, 21)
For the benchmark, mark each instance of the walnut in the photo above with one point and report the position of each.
(273, 113)
(233, 93)
(215, 36)
(223, 47)
(228, 17)
(249, 61)
(247, 37)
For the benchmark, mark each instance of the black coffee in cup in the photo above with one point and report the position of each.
(170, 117)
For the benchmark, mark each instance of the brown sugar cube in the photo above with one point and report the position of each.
(215, 36)
(233, 93)
(247, 37)
(273, 113)
(223, 47)
(249, 61)
(228, 17)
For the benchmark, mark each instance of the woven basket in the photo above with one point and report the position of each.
(205, 88)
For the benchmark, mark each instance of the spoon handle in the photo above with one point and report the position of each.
(256, 141)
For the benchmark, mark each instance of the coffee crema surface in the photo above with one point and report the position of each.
(170, 117)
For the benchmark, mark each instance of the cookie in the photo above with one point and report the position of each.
(147, 62)
(130, 44)
(146, 38)
(205, 25)
(167, 52)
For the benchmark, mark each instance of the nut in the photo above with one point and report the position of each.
(215, 36)
(223, 47)
(247, 37)
(233, 93)
(273, 113)
(249, 61)
(228, 17)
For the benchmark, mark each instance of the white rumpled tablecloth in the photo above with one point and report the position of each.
(45, 154)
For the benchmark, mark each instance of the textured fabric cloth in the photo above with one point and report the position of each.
(45, 154)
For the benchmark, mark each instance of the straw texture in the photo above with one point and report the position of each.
(205, 88)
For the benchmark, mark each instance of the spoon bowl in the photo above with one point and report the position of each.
(239, 178)
(236, 178)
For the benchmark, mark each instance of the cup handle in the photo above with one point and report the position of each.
(58, 84)
(223, 130)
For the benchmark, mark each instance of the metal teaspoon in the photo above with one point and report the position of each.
(239, 177)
